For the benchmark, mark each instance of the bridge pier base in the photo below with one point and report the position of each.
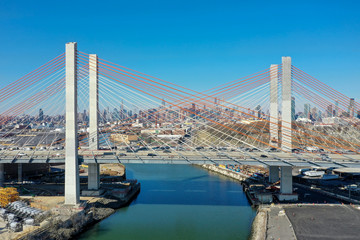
(20, 172)
(286, 185)
(93, 176)
(274, 174)
(286, 180)
(2, 175)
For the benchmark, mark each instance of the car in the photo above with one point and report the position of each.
(143, 149)
(166, 151)
(273, 149)
(295, 150)
(263, 156)
(122, 155)
(152, 155)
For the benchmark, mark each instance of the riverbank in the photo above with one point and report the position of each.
(65, 222)
(287, 221)
(226, 172)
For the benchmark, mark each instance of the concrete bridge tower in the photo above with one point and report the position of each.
(274, 106)
(72, 183)
(286, 120)
(94, 168)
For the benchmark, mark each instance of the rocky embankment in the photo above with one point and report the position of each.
(67, 222)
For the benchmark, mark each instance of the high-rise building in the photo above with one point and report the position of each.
(122, 114)
(314, 114)
(293, 108)
(329, 111)
(258, 110)
(351, 107)
(116, 115)
(41, 114)
(336, 111)
(307, 110)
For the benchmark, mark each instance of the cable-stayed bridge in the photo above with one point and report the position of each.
(81, 108)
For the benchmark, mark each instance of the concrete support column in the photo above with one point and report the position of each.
(286, 141)
(93, 102)
(72, 183)
(93, 169)
(286, 185)
(2, 175)
(274, 174)
(274, 107)
(20, 171)
(94, 176)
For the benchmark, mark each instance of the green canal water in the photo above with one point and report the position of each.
(179, 202)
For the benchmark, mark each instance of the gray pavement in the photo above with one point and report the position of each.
(278, 225)
(315, 222)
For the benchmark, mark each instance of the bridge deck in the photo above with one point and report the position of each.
(185, 157)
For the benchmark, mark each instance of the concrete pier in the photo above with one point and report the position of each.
(274, 107)
(72, 183)
(274, 174)
(286, 141)
(2, 175)
(20, 172)
(286, 185)
(93, 169)
(93, 176)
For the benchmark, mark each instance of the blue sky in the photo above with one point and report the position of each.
(198, 44)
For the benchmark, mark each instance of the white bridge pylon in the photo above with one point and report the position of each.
(72, 183)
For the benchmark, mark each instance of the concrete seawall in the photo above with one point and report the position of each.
(226, 172)
(259, 225)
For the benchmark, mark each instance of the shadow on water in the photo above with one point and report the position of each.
(185, 185)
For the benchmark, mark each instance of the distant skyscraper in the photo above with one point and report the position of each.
(122, 114)
(329, 111)
(116, 115)
(41, 114)
(314, 114)
(336, 108)
(293, 108)
(307, 110)
(351, 107)
(258, 110)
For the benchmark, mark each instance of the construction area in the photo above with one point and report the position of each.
(35, 209)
